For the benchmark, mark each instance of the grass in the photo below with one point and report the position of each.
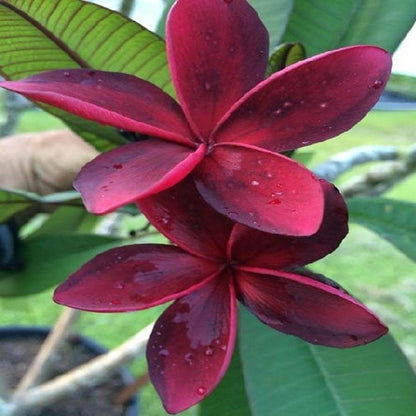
(364, 264)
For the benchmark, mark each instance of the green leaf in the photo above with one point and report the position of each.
(229, 398)
(321, 25)
(68, 219)
(284, 55)
(393, 220)
(49, 259)
(13, 201)
(287, 376)
(42, 35)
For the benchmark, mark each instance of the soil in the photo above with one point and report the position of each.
(17, 352)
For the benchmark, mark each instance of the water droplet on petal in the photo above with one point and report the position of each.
(223, 347)
(207, 86)
(164, 353)
(277, 112)
(188, 358)
(66, 74)
(376, 84)
(287, 104)
(158, 333)
(202, 390)
(255, 183)
(209, 352)
(251, 214)
(323, 105)
(305, 142)
(119, 285)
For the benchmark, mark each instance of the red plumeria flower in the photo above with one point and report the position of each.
(230, 124)
(214, 263)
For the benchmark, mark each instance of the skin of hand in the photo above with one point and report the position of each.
(42, 162)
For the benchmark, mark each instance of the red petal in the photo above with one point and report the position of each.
(185, 218)
(192, 343)
(134, 277)
(310, 101)
(309, 309)
(261, 189)
(217, 51)
(134, 171)
(116, 99)
(258, 249)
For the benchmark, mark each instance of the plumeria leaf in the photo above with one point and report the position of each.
(52, 34)
(191, 344)
(15, 200)
(293, 377)
(49, 259)
(321, 25)
(230, 397)
(285, 55)
(392, 220)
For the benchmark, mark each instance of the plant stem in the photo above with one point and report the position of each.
(87, 375)
(38, 370)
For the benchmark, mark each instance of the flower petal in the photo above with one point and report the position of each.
(134, 171)
(301, 306)
(258, 249)
(134, 277)
(261, 189)
(186, 219)
(217, 51)
(191, 345)
(116, 99)
(310, 101)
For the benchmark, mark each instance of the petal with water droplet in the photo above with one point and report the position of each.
(134, 171)
(203, 321)
(328, 94)
(312, 310)
(278, 196)
(185, 218)
(134, 277)
(258, 249)
(217, 51)
(110, 98)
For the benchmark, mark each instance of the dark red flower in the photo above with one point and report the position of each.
(214, 263)
(231, 123)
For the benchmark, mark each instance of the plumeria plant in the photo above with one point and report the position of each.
(210, 165)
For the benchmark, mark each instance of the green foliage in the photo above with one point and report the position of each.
(286, 376)
(53, 34)
(14, 201)
(392, 220)
(49, 259)
(321, 25)
(229, 398)
(285, 55)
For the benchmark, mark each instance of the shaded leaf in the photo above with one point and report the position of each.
(13, 201)
(49, 259)
(286, 376)
(321, 25)
(51, 34)
(392, 220)
(285, 55)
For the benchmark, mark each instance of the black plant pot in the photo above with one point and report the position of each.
(18, 346)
